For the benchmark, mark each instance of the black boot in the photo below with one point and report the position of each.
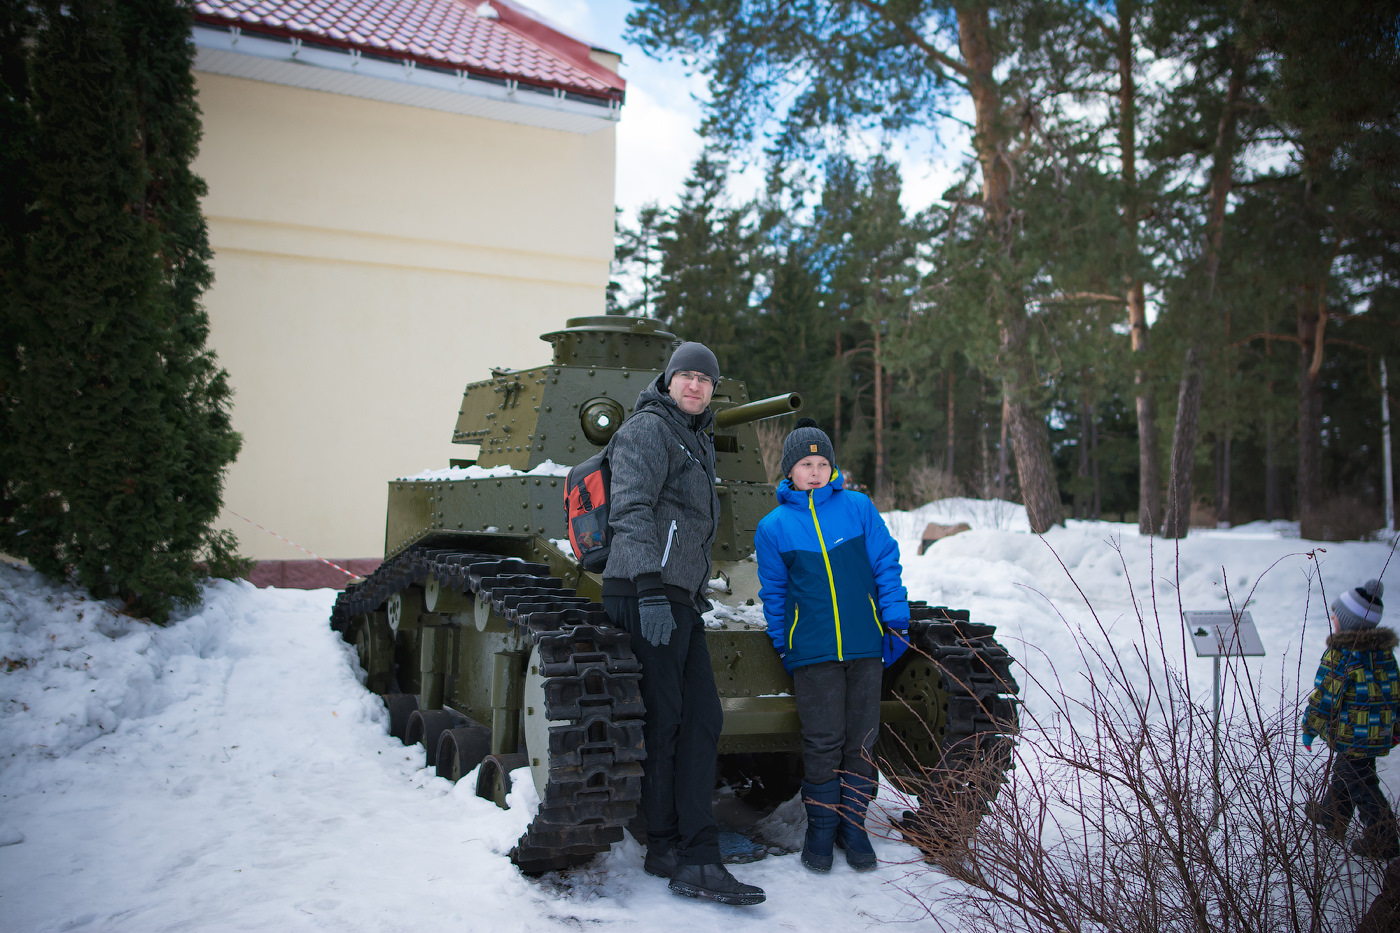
(715, 882)
(856, 792)
(821, 801)
(1325, 814)
(660, 864)
(1379, 841)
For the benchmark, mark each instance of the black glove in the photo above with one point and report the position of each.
(657, 621)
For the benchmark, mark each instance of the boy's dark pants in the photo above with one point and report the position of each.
(681, 731)
(1356, 787)
(838, 703)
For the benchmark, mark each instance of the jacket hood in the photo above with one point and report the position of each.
(798, 498)
(1369, 639)
(658, 399)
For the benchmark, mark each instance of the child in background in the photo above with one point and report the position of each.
(831, 590)
(1355, 707)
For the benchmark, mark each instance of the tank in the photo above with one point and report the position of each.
(491, 648)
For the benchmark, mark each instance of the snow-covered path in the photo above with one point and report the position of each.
(257, 790)
(229, 772)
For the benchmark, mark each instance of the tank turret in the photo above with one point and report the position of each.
(489, 645)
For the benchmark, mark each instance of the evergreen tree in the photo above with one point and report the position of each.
(823, 65)
(705, 282)
(117, 417)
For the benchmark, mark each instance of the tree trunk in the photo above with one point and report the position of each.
(1188, 407)
(1188, 412)
(1097, 500)
(1271, 490)
(836, 418)
(1002, 464)
(1312, 317)
(992, 138)
(949, 465)
(1149, 472)
(881, 479)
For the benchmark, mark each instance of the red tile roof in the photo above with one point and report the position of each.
(448, 34)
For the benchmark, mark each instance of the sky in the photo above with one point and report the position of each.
(230, 772)
(657, 138)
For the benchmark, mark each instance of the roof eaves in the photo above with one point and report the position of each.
(547, 36)
(611, 87)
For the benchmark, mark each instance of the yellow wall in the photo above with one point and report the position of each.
(371, 260)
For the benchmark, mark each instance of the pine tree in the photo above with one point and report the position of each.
(117, 415)
(705, 282)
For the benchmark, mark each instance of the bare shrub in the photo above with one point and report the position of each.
(1348, 518)
(770, 447)
(1117, 817)
(928, 482)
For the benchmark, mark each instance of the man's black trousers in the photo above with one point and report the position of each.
(681, 731)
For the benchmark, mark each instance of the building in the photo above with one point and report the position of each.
(401, 195)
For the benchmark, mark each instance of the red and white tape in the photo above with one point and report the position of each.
(348, 573)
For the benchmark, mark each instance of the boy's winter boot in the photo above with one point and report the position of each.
(821, 801)
(1327, 815)
(1379, 841)
(856, 793)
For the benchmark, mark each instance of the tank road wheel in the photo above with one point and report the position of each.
(374, 645)
(955, 753)
(581, 709)
(493, 780)
(427, 726)
(462, 748)
(401, 706)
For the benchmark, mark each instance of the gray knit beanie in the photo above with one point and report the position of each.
(805, 440)
(1359, 608)
(692, 357)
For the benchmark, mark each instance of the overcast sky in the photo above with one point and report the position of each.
(657, 140)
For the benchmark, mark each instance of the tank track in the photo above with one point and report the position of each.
(979, 730)
(591, 681)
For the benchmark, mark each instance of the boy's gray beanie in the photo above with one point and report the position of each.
(806, 440)
(1359, 608)
(692, 357)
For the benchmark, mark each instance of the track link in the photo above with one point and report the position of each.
(591, 688)
(979, 730)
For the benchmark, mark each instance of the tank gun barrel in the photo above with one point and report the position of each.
(757, 411)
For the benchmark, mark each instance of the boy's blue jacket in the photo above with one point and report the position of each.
(830, 576)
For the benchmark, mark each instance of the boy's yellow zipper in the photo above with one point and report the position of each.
(830, 579)
(796, 611)
(879, 626)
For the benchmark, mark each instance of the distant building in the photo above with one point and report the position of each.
(402, 194)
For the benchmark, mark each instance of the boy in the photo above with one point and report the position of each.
(831, 589)
(1355, 707)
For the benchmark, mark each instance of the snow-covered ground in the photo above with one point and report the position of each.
(229, 772)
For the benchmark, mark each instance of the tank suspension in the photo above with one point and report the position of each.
(590, 684)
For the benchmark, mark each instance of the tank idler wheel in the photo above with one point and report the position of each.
(427, 726)
(493, 780)
(374, 646)
(401, 706)
(462, 748)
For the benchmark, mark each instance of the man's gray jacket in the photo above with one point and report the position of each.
(663, 504)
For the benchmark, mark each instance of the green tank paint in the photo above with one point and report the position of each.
(478, 613)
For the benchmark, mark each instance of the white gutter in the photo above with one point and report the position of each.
(260, 58)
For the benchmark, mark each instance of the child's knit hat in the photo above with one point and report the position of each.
(1359, 608)
(805, 440)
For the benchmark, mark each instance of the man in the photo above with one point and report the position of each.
(664, 512)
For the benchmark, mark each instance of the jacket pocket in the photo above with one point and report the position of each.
(793, 630)
(670, 537)
(879, 627)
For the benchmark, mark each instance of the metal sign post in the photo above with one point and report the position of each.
(1217, 633)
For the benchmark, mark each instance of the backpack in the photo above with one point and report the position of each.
(587, 490)
(587, 498)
